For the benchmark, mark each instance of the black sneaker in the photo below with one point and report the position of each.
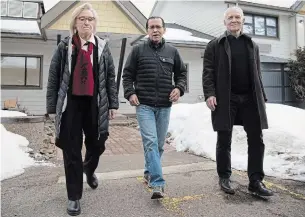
(146, 178)
(225, 185)
(158, 192)
(259, 188)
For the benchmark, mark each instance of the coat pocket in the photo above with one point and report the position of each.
(168, 64)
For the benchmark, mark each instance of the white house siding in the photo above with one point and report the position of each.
(192, 57)
(207, 17)
(33, 100)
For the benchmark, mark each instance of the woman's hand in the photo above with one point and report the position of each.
(112, 113)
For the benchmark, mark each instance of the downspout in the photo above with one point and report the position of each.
(304, 28)
(121, 61)
(296, 31)
(58, 38)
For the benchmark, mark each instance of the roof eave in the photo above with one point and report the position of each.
(132, 11)
(49, 18)
(262, 6)
(298, 5)
(20, 35)
(154, 8)
(187, 43)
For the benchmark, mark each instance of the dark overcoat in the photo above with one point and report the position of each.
(216, 80)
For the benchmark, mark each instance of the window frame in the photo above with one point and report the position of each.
(6, 4)
(25, 87)
(253, 15)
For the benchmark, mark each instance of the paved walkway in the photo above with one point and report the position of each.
(124, 140)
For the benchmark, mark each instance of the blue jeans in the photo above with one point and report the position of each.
(153, 122)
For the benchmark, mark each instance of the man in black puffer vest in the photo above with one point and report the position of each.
(147, 81)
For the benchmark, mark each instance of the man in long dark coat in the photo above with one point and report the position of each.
(234, 92)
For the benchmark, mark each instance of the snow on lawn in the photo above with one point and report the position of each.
(7, 113)
(14, 158)
(191, 130)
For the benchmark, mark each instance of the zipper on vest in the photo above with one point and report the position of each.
(157, 82)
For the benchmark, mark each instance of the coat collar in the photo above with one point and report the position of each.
(101, 43)
(226, 33)
(92, 40)
(156, 46)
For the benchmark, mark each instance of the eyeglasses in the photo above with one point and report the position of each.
(83, 19)
(155, 27)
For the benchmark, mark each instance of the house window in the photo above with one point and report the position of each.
(261, 25)
(21, 71)
(187, 78)
(19, 9)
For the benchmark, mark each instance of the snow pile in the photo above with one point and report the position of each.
(14, 148)
(191, 130)
(7, 113)
(181, 35)
(14, 158)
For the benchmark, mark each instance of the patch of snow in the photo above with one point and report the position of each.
(181, 35)
(14, 158)
(7, 113)
(20, 26)
(14, 151)
(191, 130)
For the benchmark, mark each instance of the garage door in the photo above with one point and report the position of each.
(276, 83)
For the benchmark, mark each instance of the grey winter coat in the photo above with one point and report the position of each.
(59, 78)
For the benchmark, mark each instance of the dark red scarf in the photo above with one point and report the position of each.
(83, 81)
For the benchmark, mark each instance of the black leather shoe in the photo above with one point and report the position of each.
(73, 207)
(225, 185)
(91, 180)
(259, 188)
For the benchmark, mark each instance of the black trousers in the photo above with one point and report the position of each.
(244, 108)
(80, 116)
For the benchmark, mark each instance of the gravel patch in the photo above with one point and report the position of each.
(40, 136)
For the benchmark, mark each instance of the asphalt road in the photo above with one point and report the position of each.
(191, 190)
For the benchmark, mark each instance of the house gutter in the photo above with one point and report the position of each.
(261, 6)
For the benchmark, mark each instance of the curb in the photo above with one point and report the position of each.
(193, 167)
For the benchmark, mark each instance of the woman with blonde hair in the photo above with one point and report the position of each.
(82, 93)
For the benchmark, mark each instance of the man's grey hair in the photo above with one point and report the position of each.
(234, 8)
(77, 11)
